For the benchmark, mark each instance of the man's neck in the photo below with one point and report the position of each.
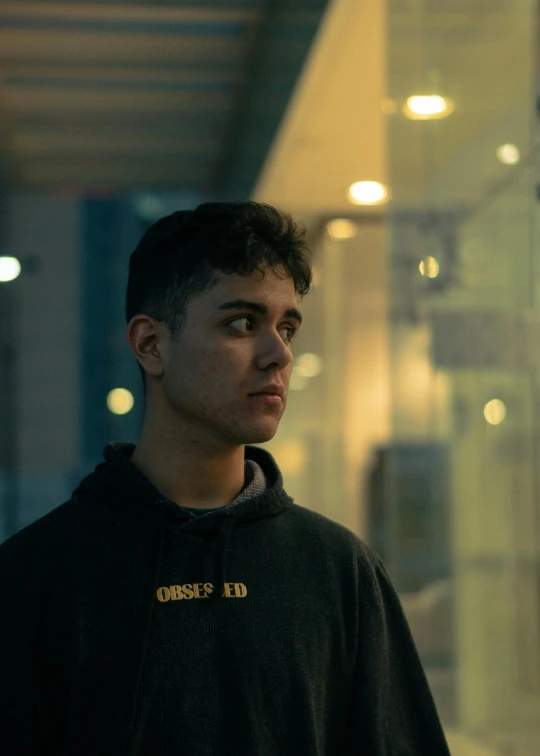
(190, 478)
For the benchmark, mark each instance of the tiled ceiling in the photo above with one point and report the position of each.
(163, 95)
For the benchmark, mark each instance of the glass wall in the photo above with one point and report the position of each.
(461, 504)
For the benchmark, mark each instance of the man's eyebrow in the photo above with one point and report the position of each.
(262, 309)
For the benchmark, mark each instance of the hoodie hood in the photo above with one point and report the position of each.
(118, 488)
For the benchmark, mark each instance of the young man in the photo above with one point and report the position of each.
(181, 603)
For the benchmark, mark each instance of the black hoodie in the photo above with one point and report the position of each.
(131, 625)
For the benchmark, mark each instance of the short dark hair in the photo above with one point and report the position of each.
(182, 254)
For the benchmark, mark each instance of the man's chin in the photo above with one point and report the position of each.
(260, 436)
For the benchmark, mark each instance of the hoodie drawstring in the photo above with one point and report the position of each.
(218, 578)
(220, 553)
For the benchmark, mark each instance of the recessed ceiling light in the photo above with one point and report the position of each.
(495, 412)
(341, 228)
(367, 193)
(10, 269)
(428, 107)
(429, 267)
(508, 154)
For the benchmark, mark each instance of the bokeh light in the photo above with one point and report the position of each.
(367, 193)
(495, 412)
(429, 267)
(341, 228)
(428, 107)
(10, 269)
(120, 401)
(508, 154)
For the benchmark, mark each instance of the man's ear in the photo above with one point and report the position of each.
(144, 338)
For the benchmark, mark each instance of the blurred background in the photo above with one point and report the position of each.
(405, 134)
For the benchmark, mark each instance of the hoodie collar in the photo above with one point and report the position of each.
(118, 486)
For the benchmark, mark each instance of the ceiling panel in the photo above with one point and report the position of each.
(115, 47)
(129, 172)
(174, 88)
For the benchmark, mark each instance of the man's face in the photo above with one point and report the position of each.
(224, 355)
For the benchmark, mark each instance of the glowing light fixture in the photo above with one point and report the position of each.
(10, 269)
(495, 412)
(120, 401)
(309, 365)
(429, 267)
(341, 228)
(508, 154)
(428, 107)
(367, 193)
(149, 207)
(297, 382)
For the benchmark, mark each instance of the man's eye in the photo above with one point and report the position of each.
(244, 317)
(291, 329)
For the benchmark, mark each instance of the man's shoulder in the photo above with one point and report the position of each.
(45, 533)
(334, 534)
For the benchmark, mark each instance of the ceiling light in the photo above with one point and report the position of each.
(149, 207)
(495, 412)
(10, 268)
(341, 228)
(309, 365)
(429, 267)
(508, 154)
(367, 193)
(428, 107)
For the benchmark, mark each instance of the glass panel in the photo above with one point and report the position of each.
(462, 468)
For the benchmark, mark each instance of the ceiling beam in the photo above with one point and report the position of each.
(207, 13)
(117, 48)
(68, 145)
(24, 99)
(113, 174)
(21, 72)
